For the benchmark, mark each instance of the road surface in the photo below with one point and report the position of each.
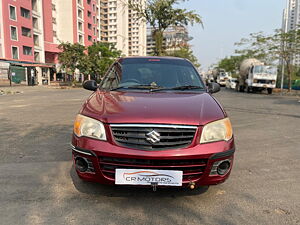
(39, 186)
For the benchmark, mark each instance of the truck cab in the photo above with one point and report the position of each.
(261, 77)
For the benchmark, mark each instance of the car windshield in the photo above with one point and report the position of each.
(152, 73)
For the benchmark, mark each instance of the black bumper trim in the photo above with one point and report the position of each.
(223, 154)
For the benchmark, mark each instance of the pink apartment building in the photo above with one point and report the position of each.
(31, 30)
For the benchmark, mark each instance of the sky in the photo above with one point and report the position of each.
(228, 21)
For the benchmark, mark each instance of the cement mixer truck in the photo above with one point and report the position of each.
(255, 76)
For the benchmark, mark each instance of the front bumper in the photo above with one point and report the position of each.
(98, 152)
(260, 85)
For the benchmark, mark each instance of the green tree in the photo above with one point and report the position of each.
(71, 56)
(279, 46)
(99, 56)
(232, 63)
(185, 52)
(161, 14)
(93, 60)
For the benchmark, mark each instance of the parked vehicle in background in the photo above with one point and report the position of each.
(255, 76)
(231, 83)
(152, 122)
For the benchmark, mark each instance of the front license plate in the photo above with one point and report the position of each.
(148, 177)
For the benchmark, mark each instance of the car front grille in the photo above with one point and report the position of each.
(192, 168)
(166, 136)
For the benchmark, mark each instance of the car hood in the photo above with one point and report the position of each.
(154, 107)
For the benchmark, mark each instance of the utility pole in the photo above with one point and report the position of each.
(285, 18)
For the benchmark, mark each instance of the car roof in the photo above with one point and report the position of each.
(152, 57)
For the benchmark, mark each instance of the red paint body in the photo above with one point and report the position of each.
(178, 108)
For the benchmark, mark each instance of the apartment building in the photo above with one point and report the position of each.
(174, 38)
(121, 26)
(31, 30)
(291, 21)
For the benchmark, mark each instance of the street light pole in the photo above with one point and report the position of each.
(285, 29)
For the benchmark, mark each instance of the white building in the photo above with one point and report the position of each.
(291, 20)
(120, 25)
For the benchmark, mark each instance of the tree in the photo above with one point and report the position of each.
(253, 47)
(93, 60)
(99, 56)
(71, 56)
(280, 46)
(161, 14)
(232, 63)
(185, 52)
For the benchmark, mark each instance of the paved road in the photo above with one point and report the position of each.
(39, 186)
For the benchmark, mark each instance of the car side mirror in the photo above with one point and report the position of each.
(90, 85)
(213, 88)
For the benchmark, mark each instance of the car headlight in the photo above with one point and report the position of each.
(88, 127)
(220, 130)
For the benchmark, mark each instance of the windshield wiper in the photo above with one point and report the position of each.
(185, 87)
(139, 86)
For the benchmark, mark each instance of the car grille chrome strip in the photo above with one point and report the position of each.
(153, 137)
(154, 125)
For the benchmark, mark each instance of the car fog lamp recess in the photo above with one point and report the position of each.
(220, 167)
(84, 165)
(81, 164)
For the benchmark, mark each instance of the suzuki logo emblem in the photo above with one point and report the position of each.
(153, 137)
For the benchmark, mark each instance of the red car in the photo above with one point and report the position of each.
(152, 122)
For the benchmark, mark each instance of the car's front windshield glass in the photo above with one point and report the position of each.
(152, 73)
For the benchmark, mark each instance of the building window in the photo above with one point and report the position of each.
(80, 26)
(35, 23)
(89, 14)
(80, 13)
(25, 13)
(15, 52)
(26, 32)
(80, 39)
(34, 5)
(54, 33)
(13, 33)
(90, 38)
(36, 40)
(27, 50)
(37, 56)
(89, 2)
(79, 2)
(53, 7)
(12, 12)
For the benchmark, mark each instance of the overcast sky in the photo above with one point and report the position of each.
(227, 21)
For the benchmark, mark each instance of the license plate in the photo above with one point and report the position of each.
(148, 177)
